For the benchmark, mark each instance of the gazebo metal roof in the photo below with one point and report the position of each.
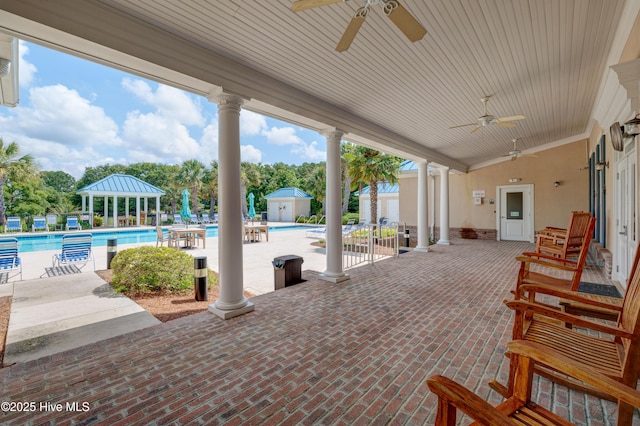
(288, 193)
(121, 185)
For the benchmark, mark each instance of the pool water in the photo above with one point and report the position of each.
(29, 243)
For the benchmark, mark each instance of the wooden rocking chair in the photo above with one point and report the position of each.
(562, 243)
(519, 409)
(616, 356)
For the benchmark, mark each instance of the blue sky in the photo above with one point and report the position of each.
(74, 113)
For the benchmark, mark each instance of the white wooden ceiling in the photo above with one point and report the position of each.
(545, 59)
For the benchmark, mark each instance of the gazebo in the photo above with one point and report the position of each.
(120, 186)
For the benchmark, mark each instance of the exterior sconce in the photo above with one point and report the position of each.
(632, 127)
(5, 67)
(601, 165)
(556, 184)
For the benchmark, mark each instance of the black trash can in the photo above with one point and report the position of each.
(263, 216)
(287, 270)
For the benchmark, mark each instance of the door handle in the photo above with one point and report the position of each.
(624, 230)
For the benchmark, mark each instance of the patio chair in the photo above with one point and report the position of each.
(194, 218)
(163, 237)
(531, 263)
(560, 243)
(72, 223)
(519, 408)
(205, 218)
(39, 224)
(13, 224)
(76, 250)
(9, 260)
(615, 356)
(177, 220)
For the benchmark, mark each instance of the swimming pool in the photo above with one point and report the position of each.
(29, 243)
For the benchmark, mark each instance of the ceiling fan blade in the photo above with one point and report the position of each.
(463, 125)
(505, 124)
(352, 30)
(299, 5)
(512, 118)
(404, 20)
(475, 130)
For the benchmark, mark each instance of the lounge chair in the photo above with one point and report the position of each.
(9, 260)
(72, 223)
(76, 250)
(177, 220)
(13, 224)
(194, 218)
(39, 224)
(205, 218)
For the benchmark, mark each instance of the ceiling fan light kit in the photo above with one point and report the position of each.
(400, 16)
(491, 120)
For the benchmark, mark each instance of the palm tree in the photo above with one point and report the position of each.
(191, 174)
(12, 166)
(371, 167)
(250, 176)
(344, 148)
(210, 187)
(317, 185)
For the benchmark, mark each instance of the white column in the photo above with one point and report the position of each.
(334, 272)
(231, 301)
(138, 211)
(106, 211)
(115, 211)
(91, 209)
(126, 206)
(444, 206)
(423, 212)
(84, 204)
(158, 210)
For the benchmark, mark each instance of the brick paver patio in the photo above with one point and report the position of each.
(357, 352)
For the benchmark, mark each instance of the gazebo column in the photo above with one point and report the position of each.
(334, 272)
(444, 206)
(126, 206)
(106, 210)
(115, 211)
(138, 211)
(231, 301)
(423, 212)
(84, 203)
(157, 211)
(91, 210)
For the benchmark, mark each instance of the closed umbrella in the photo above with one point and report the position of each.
(252, 210)
(185, 213)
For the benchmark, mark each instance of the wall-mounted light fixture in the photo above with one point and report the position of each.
(601, 165)
(632, 127)
(514, 180)
(556, 184)
(5, 67)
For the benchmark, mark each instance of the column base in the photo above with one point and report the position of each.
(444, 242)
(424, 249)
(225, 315)
(334, 279)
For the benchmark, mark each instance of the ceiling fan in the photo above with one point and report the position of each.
(392, 8)
(515, 153)
(488, 120)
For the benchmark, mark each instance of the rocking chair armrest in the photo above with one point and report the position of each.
(453, 393)
(559, 362)
(545, 311)
(561, 264)
(566, 294)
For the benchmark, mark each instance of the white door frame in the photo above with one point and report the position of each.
(625, 202)
(529, 220)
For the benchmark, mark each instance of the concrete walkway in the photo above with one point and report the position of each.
(51, 315)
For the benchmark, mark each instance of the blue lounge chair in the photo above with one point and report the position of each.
(52, 222)
(9, 260)
(13, 224)
(39, 224)
(194, 218)
(177, 220)
(76, 250)
(72, 223)
(205, 218)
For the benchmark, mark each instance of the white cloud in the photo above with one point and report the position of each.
(250, 154)
(209, 139)
(282, 136)
(169, 102)
(252, 123)
(310, 152)
(59, 114)
(26, 70)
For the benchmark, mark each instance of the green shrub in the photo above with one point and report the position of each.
(350, 216)
(154, 270)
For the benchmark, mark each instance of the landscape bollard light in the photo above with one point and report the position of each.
(200, 278)
(112, 249)
(407, 238)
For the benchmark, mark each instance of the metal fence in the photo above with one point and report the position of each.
(369, 243)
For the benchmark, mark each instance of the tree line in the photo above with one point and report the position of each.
(25, 190)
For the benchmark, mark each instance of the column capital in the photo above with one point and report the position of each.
(226, 98)
(332, 134)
